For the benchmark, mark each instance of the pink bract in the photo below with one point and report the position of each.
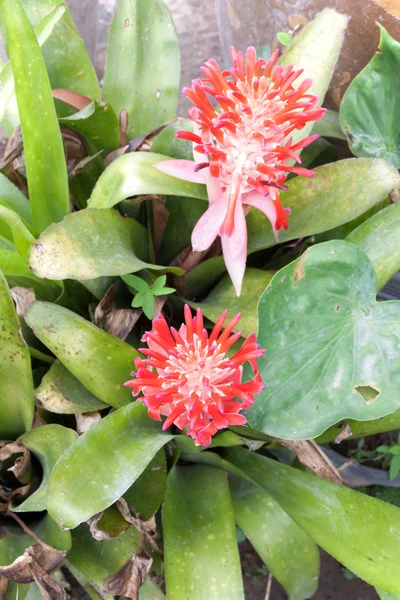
(188, 377)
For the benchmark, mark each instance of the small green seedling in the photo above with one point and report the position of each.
(394, 451)
(145, 296)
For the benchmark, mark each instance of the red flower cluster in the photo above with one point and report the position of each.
(188, 377)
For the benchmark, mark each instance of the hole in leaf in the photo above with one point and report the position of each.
(338, 308)
(367, 392)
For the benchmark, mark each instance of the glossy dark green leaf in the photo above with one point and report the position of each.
(102, 464)
(43, 147)
(336, 352)
(14, 541)
(9, 115)
(329, 126)
(201, 279)
(338, 193)
(201, 553)
(370, 109)
(17, 272)
(13, 198)
(145, 496)
(223, 297)
(316, 50)
(183, 216)
(61, 393)
(362, 428)
(361, 532)
(67, 60)
(168, 144)
(89, 244)
(143, 66)
(16, 385)
(47, 444)
(98, 123)
(290, 554)
(100, 361)
(379, 237)
(134, 174)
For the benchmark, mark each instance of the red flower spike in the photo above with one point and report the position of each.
(245, 131)
(188, 378)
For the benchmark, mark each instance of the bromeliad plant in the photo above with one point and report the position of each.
(116, 221)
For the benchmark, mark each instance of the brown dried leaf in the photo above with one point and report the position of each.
(344, 434)
(127, 582)
(84, 421)
(20, 570)
(3, 587)
(97, 534)
(118, 322)
(146, 528)
(23, 298)
(115, 154)
(311, 455)
(72, 98)
(49, 588)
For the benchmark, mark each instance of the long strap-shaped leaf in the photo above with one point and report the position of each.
(44, 152)
(201, 555)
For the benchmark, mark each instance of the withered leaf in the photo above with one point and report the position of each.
(127, 582)
(23, 298)
(118, 322)
(310, 454)
(84, 421)
(146, 528)
(20, 570)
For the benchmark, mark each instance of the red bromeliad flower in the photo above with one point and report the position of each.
(188, 377)
(242, 147)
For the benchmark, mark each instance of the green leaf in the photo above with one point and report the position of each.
(136, 282)
(394, 469)
(14, 541)
(100, 361)
(89, 244)
(370, 109)
(102, 464)
(21, 235)
(336, 353)
(43, 147)
(290, 554)
(9, 115)
(149, 591)
(379, 238)
(159, 283)
(329, 126)
(385, 596)
(17, 272)
(67, 60)
(145, 496)
(316, 49)
(13, 198)
(61, 393)
(97, 122)
(16, 385)
(138, 300)
(99, 560)
(223, 297)
(134, 174)
(168, 144)
(143, 67)
(148, 304)
(284, 38)
(338, 193)
(202, 278)
(362, 428)
(47, 444)
(361, 532)
(201, 555)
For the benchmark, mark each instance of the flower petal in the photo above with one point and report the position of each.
(263, 203)
(234, 248)
(209, 224)
(183, 169)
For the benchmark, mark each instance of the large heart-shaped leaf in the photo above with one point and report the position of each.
(43, 147)
(333, 351)
(16, 385)
(143, 66)
(200, 546)
(223, 297)
(290, 554)
(379, 237)
(61, 393)
(362, 428)
(102, 464)
(370, 109)
(338, 193)
(359, 531)
(47, 444)
(100, 361)
(91, 243)
(316, 50)
(134, 174)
